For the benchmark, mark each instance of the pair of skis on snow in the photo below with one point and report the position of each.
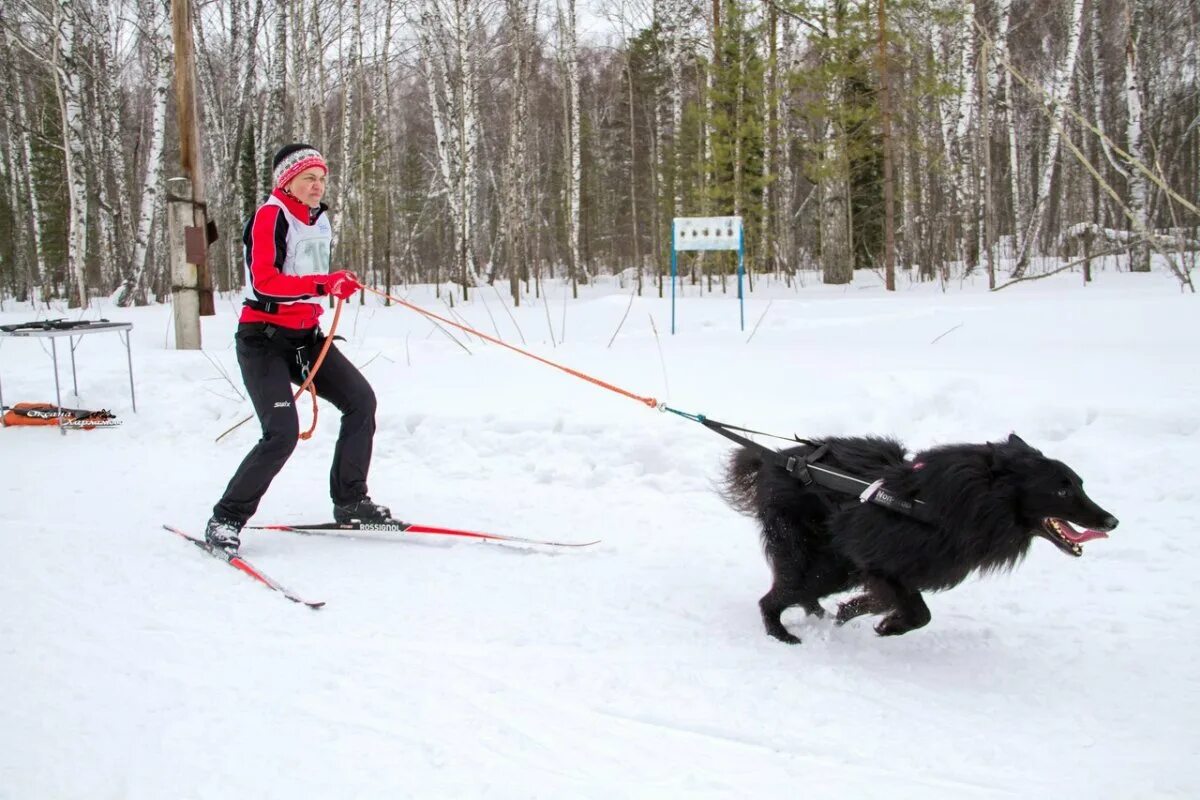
(347, 529)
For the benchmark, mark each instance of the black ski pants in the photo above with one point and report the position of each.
(272, 359)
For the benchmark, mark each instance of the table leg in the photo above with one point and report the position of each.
(74, 380)
(57, 391)
(129, 360)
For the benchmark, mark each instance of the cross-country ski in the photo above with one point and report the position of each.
(395, 526)
(242, 565)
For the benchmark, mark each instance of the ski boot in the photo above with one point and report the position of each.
(362, 511)
(223, 534)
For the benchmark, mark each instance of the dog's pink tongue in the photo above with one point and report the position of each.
(1079, 537)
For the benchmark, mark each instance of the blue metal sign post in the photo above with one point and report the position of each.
(708, 233)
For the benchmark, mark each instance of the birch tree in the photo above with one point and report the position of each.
(885, 118)
(1138, 183)
(158, 38)
(837, 260)
(448, 59)
(21, 170)
(770, 103)
(1059, 93)
(109, 161)
(59, 25)
(277, 130)
(958, 111)
(227, 69)
(568, 29)
(12, 170)
(69, 86)
(522, 19)
(784, 232)
(1009, 110)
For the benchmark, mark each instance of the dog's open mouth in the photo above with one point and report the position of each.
(1066, 537)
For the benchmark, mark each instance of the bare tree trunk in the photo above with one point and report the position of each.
(69, 84)
(770, 139)
(515, 174)
(965, 161)
(133, 289)
(278, 132)
(785, 227)
(633, 207)
(362, 187)
(1003, 15)
(739, 115)
(673, 30)
(304, 63)
(957, 110)
(468, 34)
(885, 118)
(447, 57)
(21, 147)
(107, 156)
(1059, 92)
(568, 25)
(1139, 257)
(986, 228)
(227, 69)
(837, 252)
(390, 149)
(21, 271)
(317, 31)
(344, 188)
(710, 77)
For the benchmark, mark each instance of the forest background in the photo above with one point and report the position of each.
(477, 141)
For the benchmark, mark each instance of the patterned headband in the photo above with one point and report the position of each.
(295, 163)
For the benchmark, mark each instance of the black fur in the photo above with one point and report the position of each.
(990, 500)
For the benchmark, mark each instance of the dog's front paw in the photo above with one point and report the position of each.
(854, 607)
(892, 625)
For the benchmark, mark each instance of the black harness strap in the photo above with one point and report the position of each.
(801, 466)
(269, 307)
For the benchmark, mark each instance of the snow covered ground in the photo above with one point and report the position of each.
(132, 666)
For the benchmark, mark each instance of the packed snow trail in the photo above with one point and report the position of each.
(636, 667)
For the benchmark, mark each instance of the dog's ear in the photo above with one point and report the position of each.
(1016, 440)
(1012, 455)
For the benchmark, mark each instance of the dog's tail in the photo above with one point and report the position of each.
(740, 487)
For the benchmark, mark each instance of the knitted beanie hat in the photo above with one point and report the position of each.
(292, 159)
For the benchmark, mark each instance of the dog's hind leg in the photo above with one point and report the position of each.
(782, 596)
(909, 611)
(804, 585)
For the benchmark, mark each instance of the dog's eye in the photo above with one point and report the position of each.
(1063, 493)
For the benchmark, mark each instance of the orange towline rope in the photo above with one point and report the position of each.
(307, 386)
(648, 401)
(312, 372)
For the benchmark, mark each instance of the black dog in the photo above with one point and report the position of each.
(987, 501)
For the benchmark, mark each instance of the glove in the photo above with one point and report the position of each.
(342, 284)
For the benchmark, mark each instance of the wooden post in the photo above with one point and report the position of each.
(189, 138)
(184, 292)
(1086, 238)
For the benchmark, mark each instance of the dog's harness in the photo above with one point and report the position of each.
(800, 464)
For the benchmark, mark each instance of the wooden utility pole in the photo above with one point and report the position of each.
(192, 287)
(885, 115)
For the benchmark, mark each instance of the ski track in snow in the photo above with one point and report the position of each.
(133, 666)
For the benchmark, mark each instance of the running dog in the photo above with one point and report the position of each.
(987, 502)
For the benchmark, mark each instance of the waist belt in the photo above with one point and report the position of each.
(270, 307)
